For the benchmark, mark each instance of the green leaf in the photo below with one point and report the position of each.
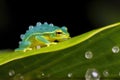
(96, 51)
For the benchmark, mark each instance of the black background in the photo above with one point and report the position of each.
(79, 17)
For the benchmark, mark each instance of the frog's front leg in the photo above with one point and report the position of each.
(44, 40)
(24, 46)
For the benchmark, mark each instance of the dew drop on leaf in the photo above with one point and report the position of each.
(40, 75)
(115, 49)
(119, 73)
(69, 75)
(106, 73)
(11, 73)
(18, 77)
(92, 74)
(43, 74)
(88, 55)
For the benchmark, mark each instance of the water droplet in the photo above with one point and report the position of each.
(119, 73)
(92, 74)
(22, 36)
(43, 74)
(19, 42)
(69, 75)
(38, 47)
(40, 75)
(88, 55)
(106, 73)
(18, 77)
(45, 23)
(30, 27)
(11, 73)
(115, 49)
(51, 24)
(38, 24)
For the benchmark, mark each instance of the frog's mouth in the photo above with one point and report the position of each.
(60, 40)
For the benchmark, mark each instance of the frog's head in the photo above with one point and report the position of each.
(62, 34)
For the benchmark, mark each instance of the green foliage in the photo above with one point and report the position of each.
(97, 49)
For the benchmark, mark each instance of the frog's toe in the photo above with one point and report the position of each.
(23, 49)
(27, 49)
(48, 44)
(19, 49)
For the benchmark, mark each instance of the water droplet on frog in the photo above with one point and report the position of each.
(20, 42)
(106, 73)
(38, 47)
(69, 75)
(88, 55)
(22, 36)
(30, 27)
(45, 23)
(51, 24)
(92, 74)
(38, 24)
(11, 73)
(115, 49)
(18, 77)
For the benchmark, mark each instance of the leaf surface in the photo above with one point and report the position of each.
(97, 49)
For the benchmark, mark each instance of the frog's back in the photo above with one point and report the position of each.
(42, 35)
(38, 29)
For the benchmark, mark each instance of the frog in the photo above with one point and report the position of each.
(42, 35)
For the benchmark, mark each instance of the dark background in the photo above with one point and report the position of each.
(79, 17)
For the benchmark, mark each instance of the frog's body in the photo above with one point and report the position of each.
(42, 35)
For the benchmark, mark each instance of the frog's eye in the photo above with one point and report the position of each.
(58, 32)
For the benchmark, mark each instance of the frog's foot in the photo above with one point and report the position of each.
(27, 49)
(23, 49)
(52, 43)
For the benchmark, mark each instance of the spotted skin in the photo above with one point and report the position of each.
(42, 35)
